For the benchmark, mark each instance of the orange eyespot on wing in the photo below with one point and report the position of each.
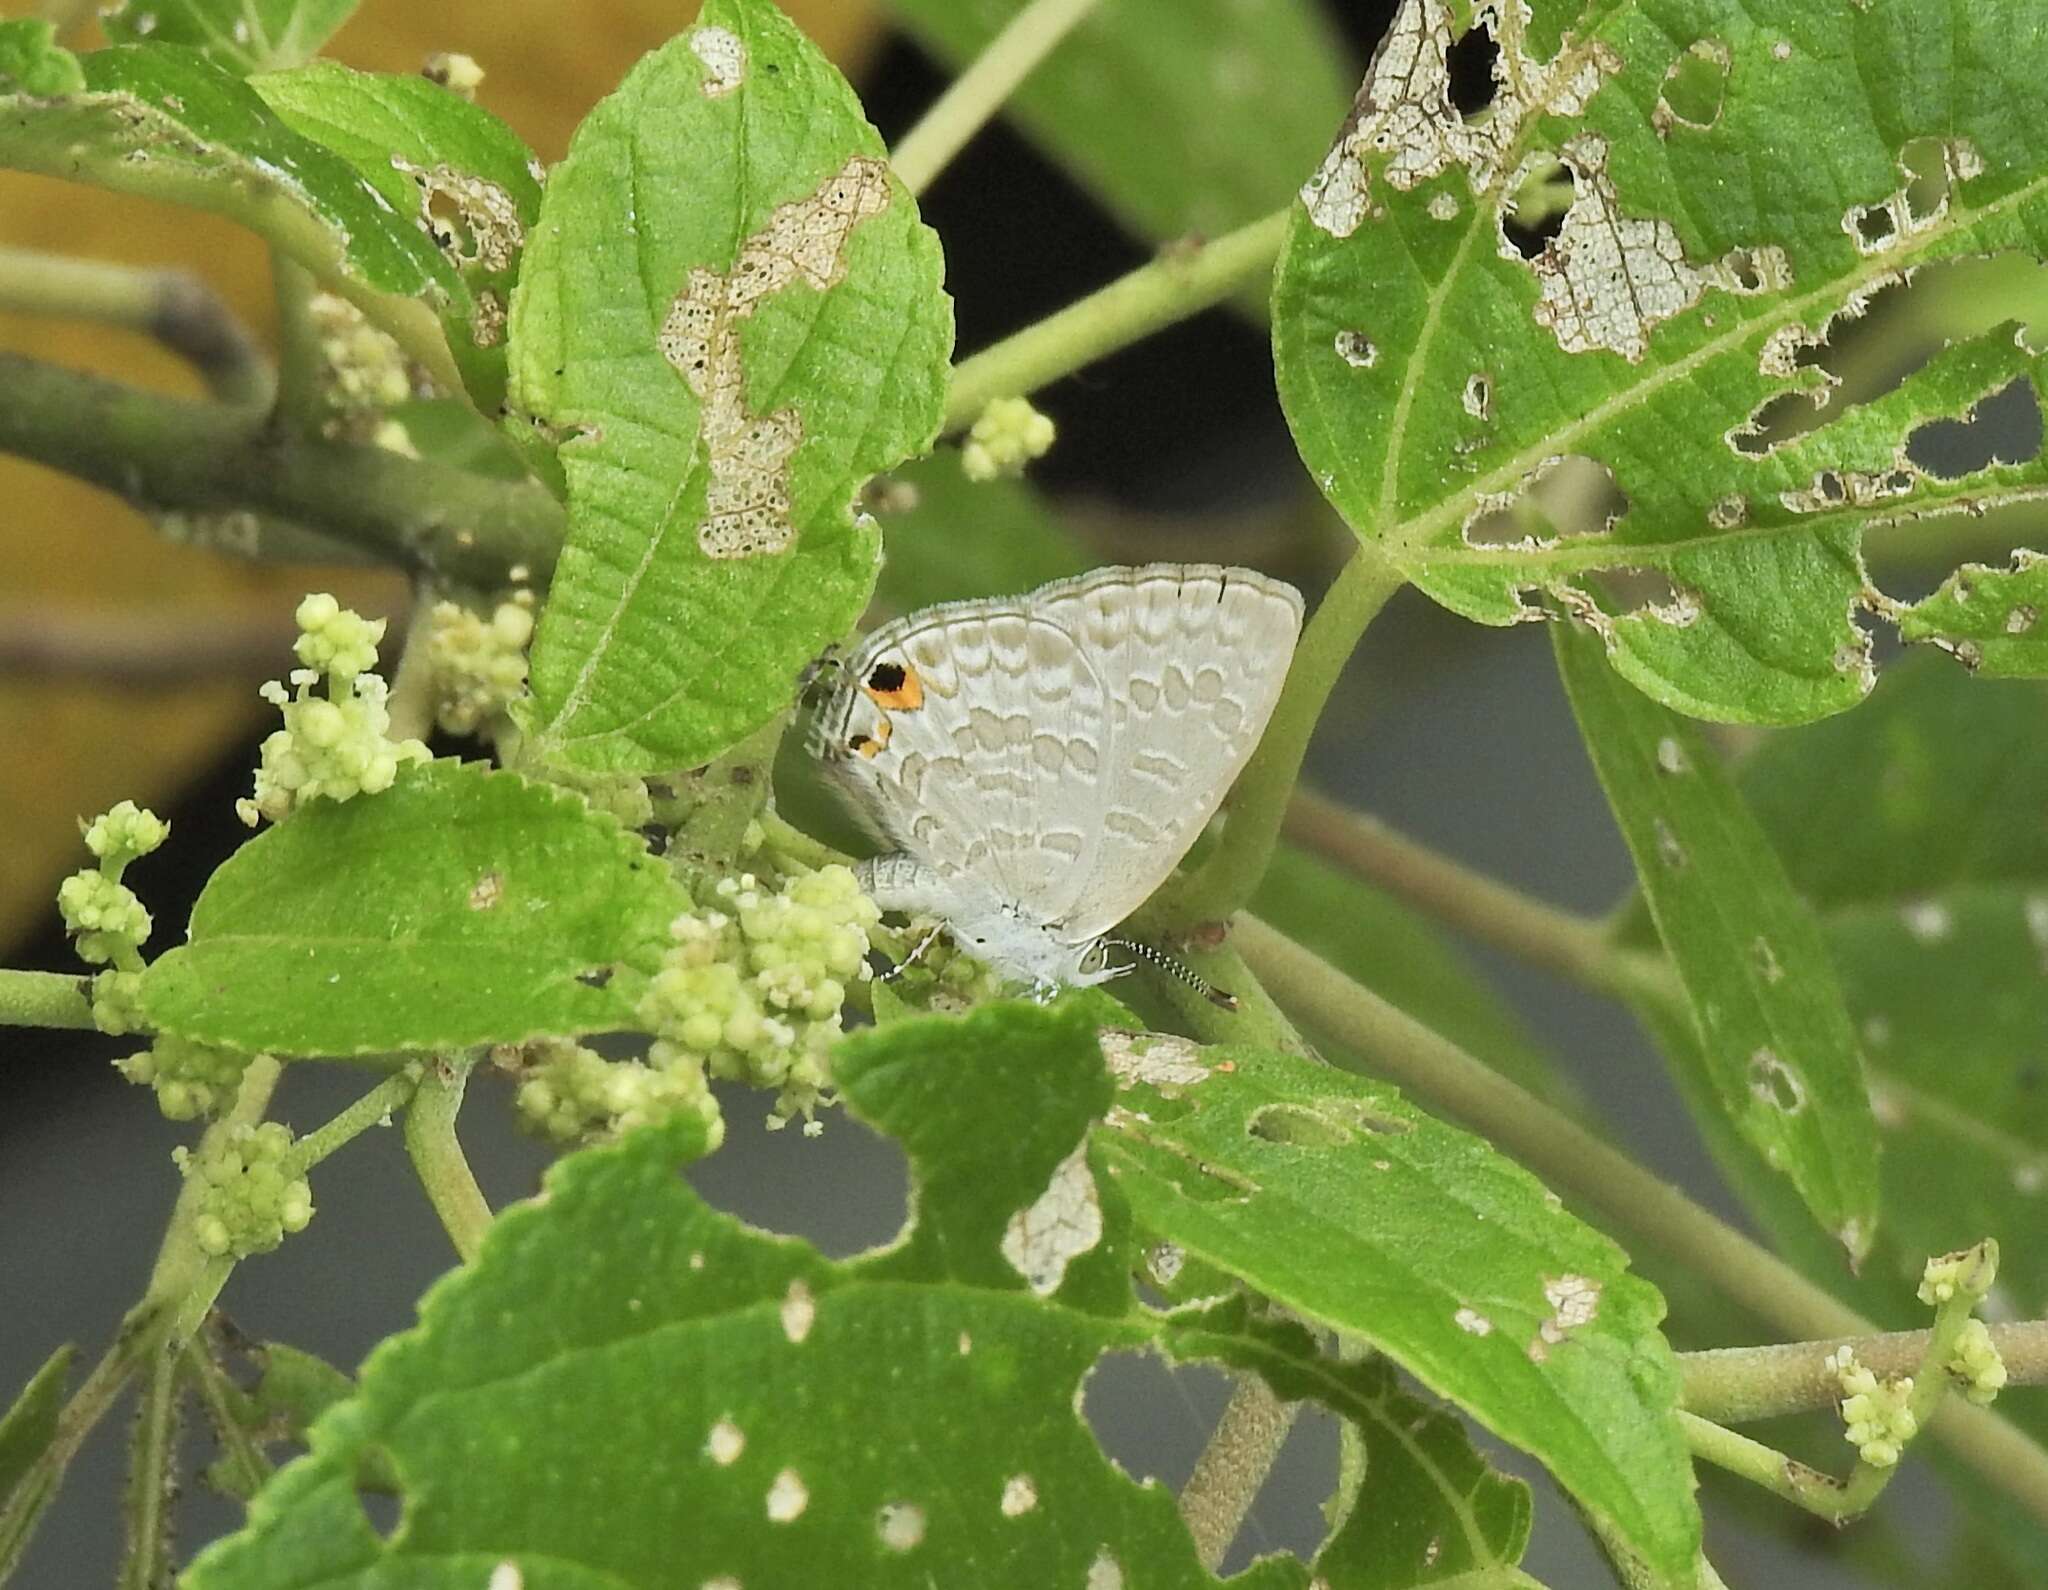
(894, 686)
(870, 745)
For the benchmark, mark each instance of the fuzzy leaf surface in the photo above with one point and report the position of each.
(1352, 1209)
(731, 316)
(459, 907)
(1781, 1054)
(1251, 96)
(163, 122)
(1435, 373)
(242, 36)
(462, 175)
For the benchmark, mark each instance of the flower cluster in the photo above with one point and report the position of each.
(363, 367)
(1009, 434)
(1976, 1363)
(479, 662)
(753, 990)
(99, 911)
(251, 1192)
(332, 746)
(957, 981)
(191, 1078)
(569, 1093)
(1967, 1273)
(1879, 1421)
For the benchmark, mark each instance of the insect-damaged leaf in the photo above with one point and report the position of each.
(1780, 1054)
(165, 123)
(459, 907)
(241, 35)
(1561, 315)
(1352, 1209)
(464, 177)
(731, 316)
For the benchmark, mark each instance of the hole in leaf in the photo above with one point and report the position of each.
(2004, 428)
(1471, 60)
(1771, 1080)
(1632, 589)
(1569, 496)
(1298, 1126)
(1778, 421)
(1151, 1420)
(1926, 163)
(1874, 225)
(383, 1510)
(1694, 87)
(1535, 212)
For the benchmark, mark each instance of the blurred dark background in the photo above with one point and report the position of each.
(1175, 448)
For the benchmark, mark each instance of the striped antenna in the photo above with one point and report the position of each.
(1176, 970)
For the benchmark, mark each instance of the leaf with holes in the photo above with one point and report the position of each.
(464, 177)
(1549, 345)
(1251, 96)
(732, 316)
(1988, 619)
(775, 1442)
(165, 123)
(1352, 1209)
(1781, 1056)
(1935, 903)
(241, 35)
(459, 907)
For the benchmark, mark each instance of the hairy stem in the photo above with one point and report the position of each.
(45, 999)
(243, 1466)
(1182, 281)
(372, 1109)
(1733, 1385)
(173, 306)
(1600, 1177)
(437, 1156)
(1258, 805)
(979, 92)
(1233, 1466)
(1487, 910)
(152, 1476)
(165, 452)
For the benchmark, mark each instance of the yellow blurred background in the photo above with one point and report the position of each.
(78, 559)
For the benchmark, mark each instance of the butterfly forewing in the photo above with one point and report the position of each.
(994, 776)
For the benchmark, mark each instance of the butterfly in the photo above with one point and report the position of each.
(1038, 765)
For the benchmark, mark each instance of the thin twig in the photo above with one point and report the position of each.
(45, 999)
(1733, 1385)
(979, 92)
(1182, 281)
(175, 307)
(1233, 1466)
(437, 1156)
(146, 650)
(1488, 910)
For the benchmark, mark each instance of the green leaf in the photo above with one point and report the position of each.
(1781, 1055)
(1988, 619)
(1416, 1504)
(466, 179)
(1251, 97)
(1351, 1208)
(25, 1437)
(164, 123)
(1914, 826)
(732, 313)
(460, 907)
(31, 61)
(241, 36)
(1435, 376)
(810, 1415)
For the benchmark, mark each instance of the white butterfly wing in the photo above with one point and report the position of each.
(1191, 658)
(972, 736)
